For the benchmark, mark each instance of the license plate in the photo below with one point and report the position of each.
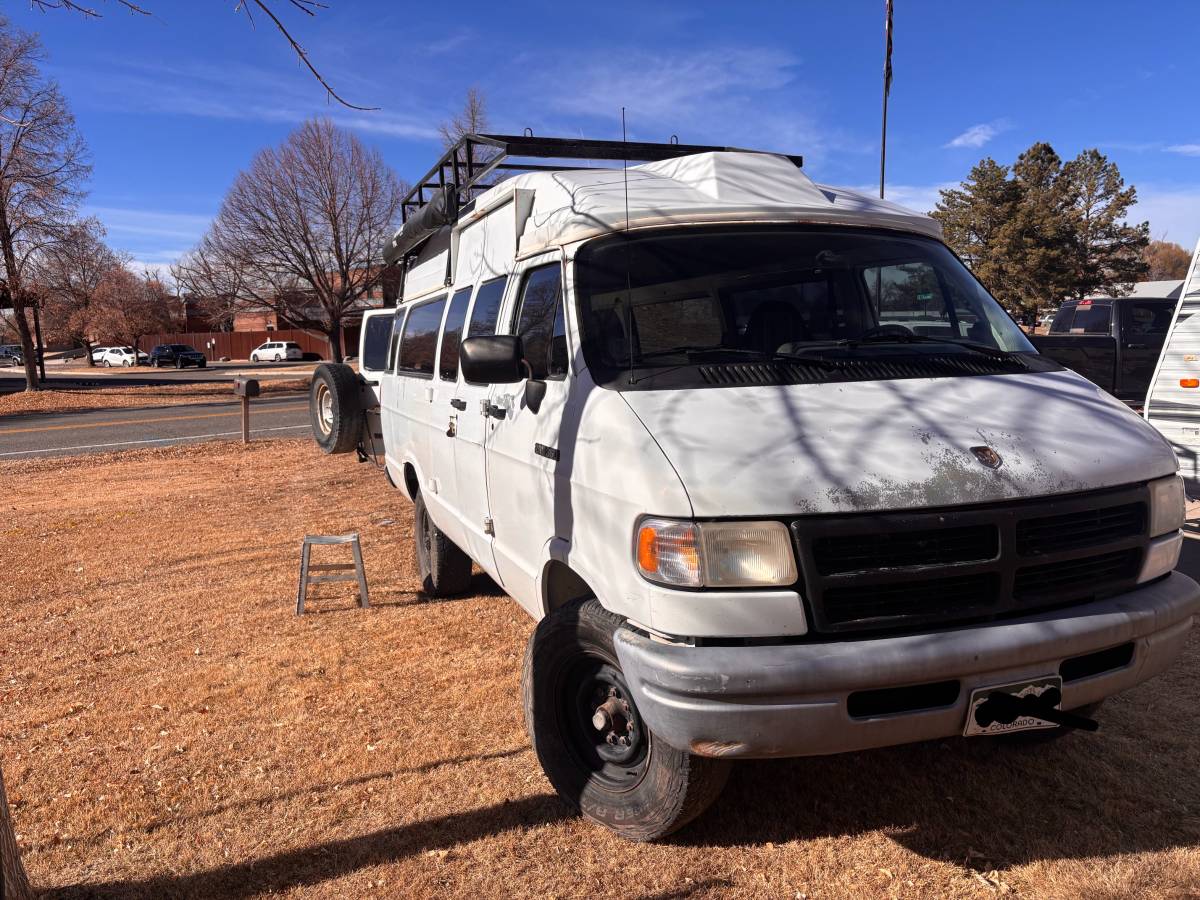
(982, 720)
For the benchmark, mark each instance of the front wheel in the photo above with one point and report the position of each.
(179, 363)
(278, 357)
(593, 745)
(445, 570)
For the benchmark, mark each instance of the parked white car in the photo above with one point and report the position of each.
(123, 356)
(676, 412)
(276, 351)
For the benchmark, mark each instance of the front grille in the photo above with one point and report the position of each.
(921, 597)
(895, 571)
(1080, 529)
(1075, 579)
(939, 546)
(847, 369)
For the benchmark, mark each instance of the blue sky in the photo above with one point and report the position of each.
(174, 106)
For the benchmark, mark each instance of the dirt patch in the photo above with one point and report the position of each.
(57, 400)
(170, 728)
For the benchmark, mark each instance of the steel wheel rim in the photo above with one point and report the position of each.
(588, 684)
(324, 408)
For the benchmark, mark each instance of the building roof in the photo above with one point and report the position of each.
(1150, 290)
(571, 205)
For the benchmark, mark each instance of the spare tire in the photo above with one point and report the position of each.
(335, 408)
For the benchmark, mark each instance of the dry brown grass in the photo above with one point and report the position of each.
(170, 728)
(58, 400)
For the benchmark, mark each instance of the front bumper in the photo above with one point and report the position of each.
(791, 700)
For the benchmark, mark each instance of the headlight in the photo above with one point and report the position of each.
(715, 554)
(1166, 505)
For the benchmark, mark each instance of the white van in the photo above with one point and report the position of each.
(773, 471)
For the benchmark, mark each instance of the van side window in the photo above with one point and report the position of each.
(397, 327)
(539, 322)
(487, 307)
(418, 341)
(375, 343)
(456, 320)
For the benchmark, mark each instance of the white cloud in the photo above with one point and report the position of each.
(1173, 212)
(1185, 149)
(243, 92)
(978, 135)
(124, 223)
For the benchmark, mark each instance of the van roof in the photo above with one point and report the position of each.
(560, 203)
(706, 188)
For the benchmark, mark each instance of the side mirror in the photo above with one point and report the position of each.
(492, 359)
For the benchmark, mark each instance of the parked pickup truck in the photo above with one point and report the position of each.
(772, 471)
(1113, 343)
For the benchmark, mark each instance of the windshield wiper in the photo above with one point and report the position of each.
(672, 351)
(984, 349)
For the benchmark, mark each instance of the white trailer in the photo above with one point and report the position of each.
(1173, 400)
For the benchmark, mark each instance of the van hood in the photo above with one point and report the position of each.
(904, 444)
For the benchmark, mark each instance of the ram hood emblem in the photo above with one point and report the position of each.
(988, 457)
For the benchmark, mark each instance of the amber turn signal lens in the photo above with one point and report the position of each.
(647, 551)
(1189, 382)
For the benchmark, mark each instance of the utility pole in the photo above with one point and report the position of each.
(887, 86)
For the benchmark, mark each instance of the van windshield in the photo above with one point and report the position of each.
(704, 297)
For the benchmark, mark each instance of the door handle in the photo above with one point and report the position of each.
(458, 404)
(1135, 346)
(496, 412)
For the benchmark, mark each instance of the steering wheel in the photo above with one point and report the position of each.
(889, 328)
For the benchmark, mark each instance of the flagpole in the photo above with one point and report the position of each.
(887, 84)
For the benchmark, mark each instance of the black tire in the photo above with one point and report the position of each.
(203, 364)
(335, 408)
(178, 363)
(154, 363)
(643, 789)
(106, 363)
(1048, 735)
(277, 357)
(445, 569)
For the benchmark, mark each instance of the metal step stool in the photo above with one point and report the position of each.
(306, 579)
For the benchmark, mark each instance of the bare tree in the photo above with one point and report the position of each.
(69, 275)
(300, 231)
(42, 168)
(308, 7)
(130, 307)
(471, 119)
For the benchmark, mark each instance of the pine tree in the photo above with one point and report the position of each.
(974, 219)
(1106, 252)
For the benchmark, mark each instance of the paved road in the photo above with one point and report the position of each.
(97, 431)
(12, 379)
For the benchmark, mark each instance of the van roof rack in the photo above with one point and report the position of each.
(478, 162)
(470, 164)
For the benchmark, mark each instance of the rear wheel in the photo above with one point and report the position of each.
(335, 408)
(594, 747)
(106, 363)
(445, 569)
(278, 357)
(178, 363)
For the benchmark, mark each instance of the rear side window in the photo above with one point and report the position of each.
(418, 343)
(1062, 320)
(1091, 319)
(292, 345)
(375, 343)
(540, 322)
(1146, 318)
(486, 311)
(456, 320)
